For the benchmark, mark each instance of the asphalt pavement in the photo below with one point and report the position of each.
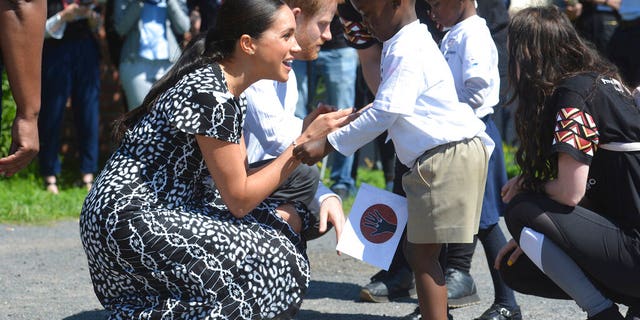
(44, 276)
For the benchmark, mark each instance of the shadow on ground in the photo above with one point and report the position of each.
(89, 315)
(315, 315)
(317, 290)
(333, 290)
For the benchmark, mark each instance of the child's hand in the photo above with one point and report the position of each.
(312, 151)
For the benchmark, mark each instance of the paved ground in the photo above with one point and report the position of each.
(43, 276)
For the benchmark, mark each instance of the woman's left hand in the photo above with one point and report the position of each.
(322, 108)
(512, 245)
(325, 123)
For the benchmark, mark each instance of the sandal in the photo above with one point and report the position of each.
(87, 180)
(50, 185)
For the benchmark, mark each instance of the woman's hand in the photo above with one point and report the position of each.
(511, 188)
(324, 123)
(322, 108)
(510, 246)
(331, 211)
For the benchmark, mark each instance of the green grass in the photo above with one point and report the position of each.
(23, 199)
(510, 161)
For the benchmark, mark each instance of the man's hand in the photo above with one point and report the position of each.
(24, 146)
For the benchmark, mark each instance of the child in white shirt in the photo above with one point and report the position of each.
(435, 135)
(472, 57)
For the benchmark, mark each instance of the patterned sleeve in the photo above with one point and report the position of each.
(355, 32)
(575, 132)
(207, 109)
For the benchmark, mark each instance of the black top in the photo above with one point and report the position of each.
(591, 111)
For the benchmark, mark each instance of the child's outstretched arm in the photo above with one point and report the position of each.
(366, 125)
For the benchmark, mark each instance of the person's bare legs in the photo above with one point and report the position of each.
(87, 180)
(51, 184)
(430, 284)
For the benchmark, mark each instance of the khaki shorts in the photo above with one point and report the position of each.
(444, 190)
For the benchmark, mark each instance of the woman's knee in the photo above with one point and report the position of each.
(290, 215)
(519, 213)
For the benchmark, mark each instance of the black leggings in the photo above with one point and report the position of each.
(607, 255)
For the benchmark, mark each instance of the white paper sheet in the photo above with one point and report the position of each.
(374, 227)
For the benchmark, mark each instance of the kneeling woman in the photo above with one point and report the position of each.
(575, 209)
(175, 227)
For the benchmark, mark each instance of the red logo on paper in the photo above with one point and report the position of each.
(378, 223)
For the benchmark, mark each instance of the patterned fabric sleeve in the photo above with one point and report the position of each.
(355, 32)
(205, 107)
(575, 132)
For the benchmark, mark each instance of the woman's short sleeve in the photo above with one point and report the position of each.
(575, 131)
(205, 107)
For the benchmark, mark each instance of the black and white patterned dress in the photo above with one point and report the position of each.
(160, 242)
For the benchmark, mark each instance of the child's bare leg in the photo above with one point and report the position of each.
(290, 215)
(430, 284)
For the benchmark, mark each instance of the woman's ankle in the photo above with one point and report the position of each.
(87, 180)
(50, 184)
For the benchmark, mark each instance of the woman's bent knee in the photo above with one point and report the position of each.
(290, 215)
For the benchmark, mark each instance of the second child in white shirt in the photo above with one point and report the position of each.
(472, 57)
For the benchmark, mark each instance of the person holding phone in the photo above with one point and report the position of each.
(70, 69)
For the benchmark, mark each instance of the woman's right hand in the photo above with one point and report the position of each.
(511, 188)
(512, 245)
